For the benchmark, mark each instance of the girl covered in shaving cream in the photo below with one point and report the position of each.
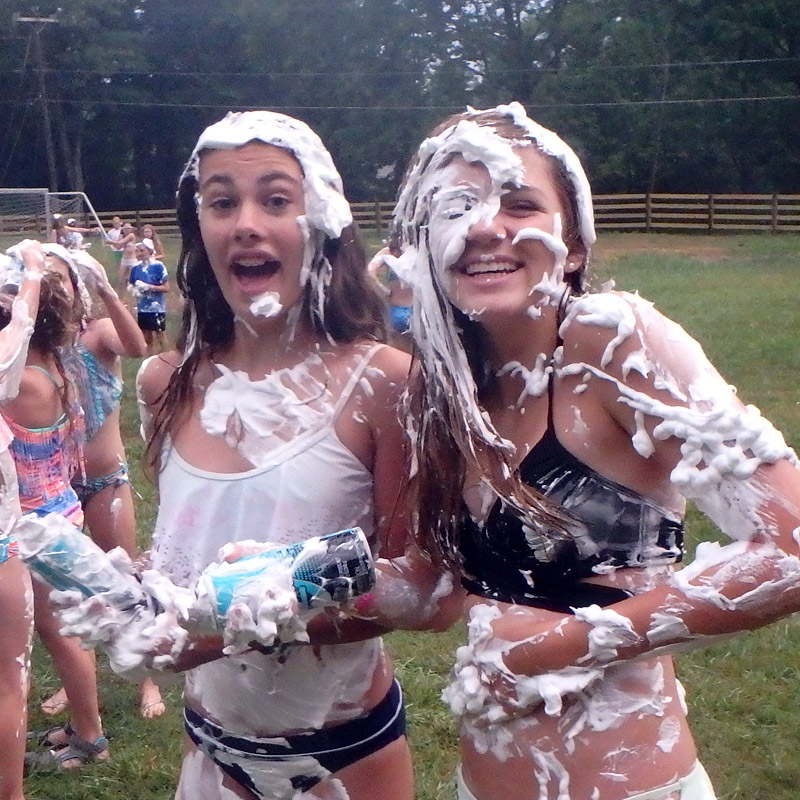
(557, 435)
(276, 420)
(16, 598)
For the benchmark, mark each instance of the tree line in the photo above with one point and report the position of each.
(678, 96)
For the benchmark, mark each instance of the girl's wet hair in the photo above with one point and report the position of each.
(57, 323)
(504, 126)
(349, 310)
(445, 440)
(58, 319)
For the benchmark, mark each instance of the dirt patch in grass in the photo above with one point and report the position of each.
(613, 245)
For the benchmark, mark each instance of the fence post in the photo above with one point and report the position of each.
(774, 224)
(378, 219)
(138, 217)
(648, 212)
(711, 213)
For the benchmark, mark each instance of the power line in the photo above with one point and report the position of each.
(530, 104)
(402, 73)
(38, 25)
(15, 123)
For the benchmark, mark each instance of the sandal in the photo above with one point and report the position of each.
(54, 738)
(80, 750)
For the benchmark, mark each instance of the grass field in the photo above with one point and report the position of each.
(737, 295)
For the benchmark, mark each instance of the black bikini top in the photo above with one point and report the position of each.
(609, 526)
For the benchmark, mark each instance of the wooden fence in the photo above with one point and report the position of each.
(703, 213)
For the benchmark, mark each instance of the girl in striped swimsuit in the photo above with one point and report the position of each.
(46, 422)
(16, 603)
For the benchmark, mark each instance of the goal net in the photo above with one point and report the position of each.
(30, 212)
(75, 205)
(25, 213)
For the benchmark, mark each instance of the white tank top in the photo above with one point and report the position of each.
(311, 486)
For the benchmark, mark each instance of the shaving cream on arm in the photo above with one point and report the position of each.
(731, 462)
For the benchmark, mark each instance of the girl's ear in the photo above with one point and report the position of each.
(576, 257)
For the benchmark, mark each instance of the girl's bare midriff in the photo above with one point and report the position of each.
(635, 737)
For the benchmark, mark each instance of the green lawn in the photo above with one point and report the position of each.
(737, 295)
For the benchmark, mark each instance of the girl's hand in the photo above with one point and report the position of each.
(92, 271)
(30, 253)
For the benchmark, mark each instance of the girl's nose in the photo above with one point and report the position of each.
(248, 222)
(487, 230)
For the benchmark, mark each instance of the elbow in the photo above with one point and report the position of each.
(448, 611)
(402, 604)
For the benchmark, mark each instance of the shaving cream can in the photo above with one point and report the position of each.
(66, 558)
(331, 569)
(12, 271)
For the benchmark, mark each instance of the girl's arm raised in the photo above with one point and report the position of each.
(123, 336)
(14, 337)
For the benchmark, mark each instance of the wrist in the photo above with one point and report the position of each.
(107, 292)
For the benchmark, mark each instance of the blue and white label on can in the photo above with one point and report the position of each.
(326, 569)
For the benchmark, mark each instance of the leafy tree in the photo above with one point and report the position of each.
(648, 92)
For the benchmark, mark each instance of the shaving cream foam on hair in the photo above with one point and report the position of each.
(326, 207)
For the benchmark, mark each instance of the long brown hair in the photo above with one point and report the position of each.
(57, 323)
(445, 439)
(351, 309)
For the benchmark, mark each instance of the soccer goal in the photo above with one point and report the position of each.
(29, 212)
(25, 212)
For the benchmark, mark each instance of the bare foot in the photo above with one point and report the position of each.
(151, 704)
(56, 703)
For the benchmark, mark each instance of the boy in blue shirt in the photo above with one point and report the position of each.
(148, 283)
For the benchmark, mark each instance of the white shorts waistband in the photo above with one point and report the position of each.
(694, 786)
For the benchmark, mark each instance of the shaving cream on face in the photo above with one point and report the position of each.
(433, 232)
(327, 212)
(456, 184)
(266, 305)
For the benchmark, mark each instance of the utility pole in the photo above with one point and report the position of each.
(38, 24)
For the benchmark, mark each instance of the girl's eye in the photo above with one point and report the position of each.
(455, 206)
(278, 202)
(222, 204)
(521, 206)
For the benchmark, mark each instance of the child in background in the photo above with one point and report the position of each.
(149, 283)
(46, 423)
(149, 232)
(94, 366)
(127, 247)
(19, 303)
(114, 239)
